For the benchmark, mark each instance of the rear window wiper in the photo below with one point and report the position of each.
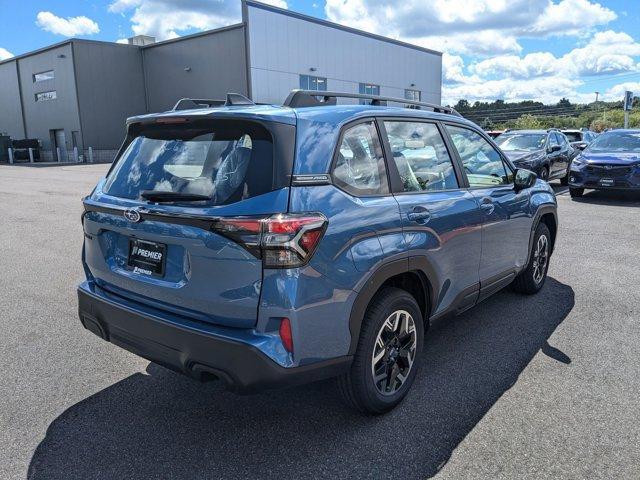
(164, 196)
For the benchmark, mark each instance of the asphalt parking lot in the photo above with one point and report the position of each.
(519, 387)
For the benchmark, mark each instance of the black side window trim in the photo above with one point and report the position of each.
(345, 188)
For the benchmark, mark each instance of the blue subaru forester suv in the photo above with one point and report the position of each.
(267, 246)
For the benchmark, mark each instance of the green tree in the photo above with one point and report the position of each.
(462, 105)
(527, 122)
(487, 124)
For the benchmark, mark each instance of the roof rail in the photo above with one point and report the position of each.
(313, 98)
(233, 99)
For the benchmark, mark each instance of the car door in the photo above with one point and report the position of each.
(565, 154)
(506, 226)
(554, 154)
(441, 220)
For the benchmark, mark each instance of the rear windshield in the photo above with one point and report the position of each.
(573, 136)
(521, 141)
(227, 161)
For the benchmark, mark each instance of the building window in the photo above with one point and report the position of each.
(309, 82)
(43, 76)
(414, 95)
(368, 89)
(46, 96)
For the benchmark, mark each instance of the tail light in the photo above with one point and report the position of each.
(282, 241)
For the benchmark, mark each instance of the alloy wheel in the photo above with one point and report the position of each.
(540, 259)
(394, 352)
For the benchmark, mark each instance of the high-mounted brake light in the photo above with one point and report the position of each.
(282, 241)
(170, 120)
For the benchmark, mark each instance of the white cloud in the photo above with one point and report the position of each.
(165, 19)
(68, 27)
(4, 54)
(531, 65)
(123, 41)
(572, 17)
(470, 26)
(547, 90)
(607, 52)
(543, 76)
(617, 91)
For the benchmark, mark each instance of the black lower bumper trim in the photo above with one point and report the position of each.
(241, 366)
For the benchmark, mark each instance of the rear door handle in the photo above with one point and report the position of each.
(419, 215)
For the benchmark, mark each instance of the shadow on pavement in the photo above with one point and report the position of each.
(613, 198)
(163, 425)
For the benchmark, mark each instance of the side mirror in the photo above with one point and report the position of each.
(555, 148)
(524, 179)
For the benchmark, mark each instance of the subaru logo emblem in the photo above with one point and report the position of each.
(132, 215)
(608, 167)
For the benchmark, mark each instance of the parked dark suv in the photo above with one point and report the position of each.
(610, 162)
(545, 152)
(273, 245)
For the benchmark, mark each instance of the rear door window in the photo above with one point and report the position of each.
(225, 161)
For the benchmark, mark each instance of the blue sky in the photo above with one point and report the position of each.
(515, 49)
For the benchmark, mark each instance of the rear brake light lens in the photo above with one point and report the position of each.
(285, 334)
(171, 120)
(290, 240)
(282, 241)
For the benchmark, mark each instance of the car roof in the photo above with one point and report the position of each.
(343, 113)
(526, 131)
(334, 114)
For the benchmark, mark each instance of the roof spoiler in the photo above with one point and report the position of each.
(313, 98)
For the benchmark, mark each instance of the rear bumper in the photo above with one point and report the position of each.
(194, 351)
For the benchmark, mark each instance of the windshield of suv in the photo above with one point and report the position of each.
(573, 136)
(521, 141)
(213, 162)
(616, 142)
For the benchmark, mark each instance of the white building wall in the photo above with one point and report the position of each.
(282, 46)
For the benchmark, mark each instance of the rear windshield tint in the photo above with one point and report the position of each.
(228, 161)
(573, 136)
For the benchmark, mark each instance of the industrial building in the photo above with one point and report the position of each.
(76, 94)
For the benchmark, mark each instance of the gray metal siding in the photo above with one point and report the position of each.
(217, 64)
(11, 121)
(110, 85)
(281, 47)
(61, 113)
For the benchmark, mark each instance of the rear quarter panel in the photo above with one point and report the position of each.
(362, 234)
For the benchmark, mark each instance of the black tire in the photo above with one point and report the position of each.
(357, 387)
(564, 181)
(576, 192)
(532, 278)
